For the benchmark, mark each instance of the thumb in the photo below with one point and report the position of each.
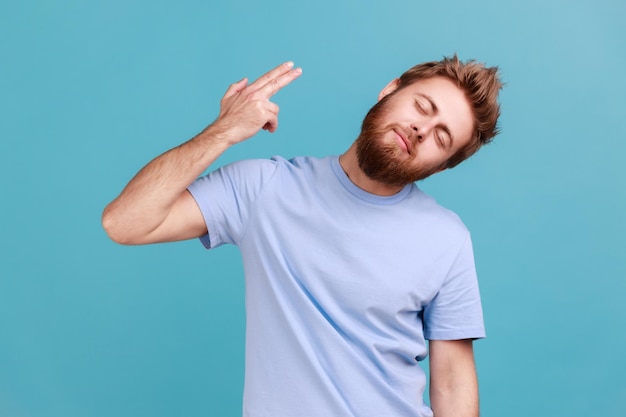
(236, 87)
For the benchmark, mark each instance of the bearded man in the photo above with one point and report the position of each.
(350, 268)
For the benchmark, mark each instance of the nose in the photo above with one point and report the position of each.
(420, 131)
(423, 127)
(417, 133)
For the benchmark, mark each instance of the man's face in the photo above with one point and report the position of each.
(411, 132)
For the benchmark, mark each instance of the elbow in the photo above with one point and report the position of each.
(113, 228)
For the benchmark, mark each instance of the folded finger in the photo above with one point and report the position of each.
(271, 125)
(272, 107)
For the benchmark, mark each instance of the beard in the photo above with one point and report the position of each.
(384, 161)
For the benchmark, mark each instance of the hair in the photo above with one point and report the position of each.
(481, 85)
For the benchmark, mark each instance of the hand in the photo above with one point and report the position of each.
(246, 109)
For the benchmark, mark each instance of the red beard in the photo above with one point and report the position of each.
(386, 162)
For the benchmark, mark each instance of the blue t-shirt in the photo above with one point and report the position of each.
(343, 287)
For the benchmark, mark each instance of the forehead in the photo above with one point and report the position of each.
(452, 104)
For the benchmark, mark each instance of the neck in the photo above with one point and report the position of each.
(350, 164)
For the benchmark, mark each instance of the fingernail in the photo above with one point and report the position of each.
(289, 64)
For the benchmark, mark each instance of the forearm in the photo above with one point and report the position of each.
(453, 381)
(147, 199)
(460, 400)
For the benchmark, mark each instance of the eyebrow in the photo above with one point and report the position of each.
(436, 110)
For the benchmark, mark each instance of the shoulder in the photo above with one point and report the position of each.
(277, 162)
(263, 171)
(437, 215)
(305, 168)
(246, 165)
(303, 162)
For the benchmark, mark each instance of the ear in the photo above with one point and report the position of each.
(389, 88)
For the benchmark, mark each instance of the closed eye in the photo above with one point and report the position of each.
(440, 140)
(420, 107)
(444, 139)
(426, 103)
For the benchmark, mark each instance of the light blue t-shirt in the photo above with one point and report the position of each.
(342, 286)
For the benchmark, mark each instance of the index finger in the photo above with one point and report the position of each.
(275, 79)
(274, 85)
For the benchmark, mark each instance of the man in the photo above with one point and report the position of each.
(349, 267)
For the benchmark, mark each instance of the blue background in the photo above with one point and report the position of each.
(90, 91)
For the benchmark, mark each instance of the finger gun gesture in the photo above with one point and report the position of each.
(246, 108)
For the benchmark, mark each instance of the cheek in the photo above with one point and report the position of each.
(429, 150)
(431, 155)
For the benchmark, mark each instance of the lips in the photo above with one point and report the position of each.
(402, 140)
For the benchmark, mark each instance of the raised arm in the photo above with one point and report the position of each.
(155, 206)
(453, 382)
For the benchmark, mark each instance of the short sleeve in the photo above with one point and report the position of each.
(456, 312)
(226, 197)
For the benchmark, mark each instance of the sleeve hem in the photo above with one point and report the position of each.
(207, 240)
(475, 333)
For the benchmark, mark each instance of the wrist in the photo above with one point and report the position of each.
(212, 139)
(221, 134)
